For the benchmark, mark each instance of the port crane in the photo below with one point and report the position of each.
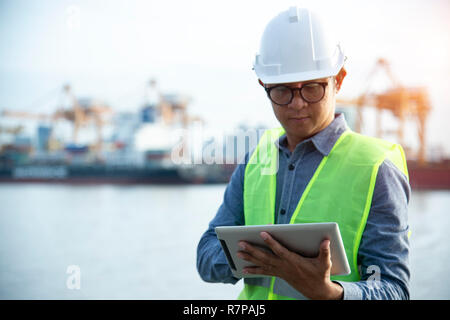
(401, 101)
(173, 109)
(81, 113)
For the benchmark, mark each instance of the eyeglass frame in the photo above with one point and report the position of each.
(323, 84)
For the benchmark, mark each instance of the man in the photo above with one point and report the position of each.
(325, 172)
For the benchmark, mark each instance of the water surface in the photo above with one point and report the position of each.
(139, 242)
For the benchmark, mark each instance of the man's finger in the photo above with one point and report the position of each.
(258, 255)
(248, 257)
(276, 247)
(324, 253)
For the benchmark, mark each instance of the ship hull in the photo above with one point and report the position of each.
(432, 176)
(103, 175)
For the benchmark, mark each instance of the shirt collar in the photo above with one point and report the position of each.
(324, 140)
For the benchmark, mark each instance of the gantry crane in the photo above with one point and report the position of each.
(401, 101)
(173, 109)
(80, 113)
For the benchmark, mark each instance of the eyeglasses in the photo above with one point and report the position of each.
(283, 95)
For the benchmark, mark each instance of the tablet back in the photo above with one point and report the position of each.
(303, 239)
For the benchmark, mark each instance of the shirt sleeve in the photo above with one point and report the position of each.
(383, 254)
(212, 264)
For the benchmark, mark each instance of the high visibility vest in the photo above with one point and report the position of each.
(340, 191)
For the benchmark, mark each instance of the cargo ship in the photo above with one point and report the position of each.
(138, 150)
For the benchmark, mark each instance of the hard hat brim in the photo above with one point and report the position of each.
(300, 76)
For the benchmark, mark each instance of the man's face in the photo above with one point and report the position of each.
(302, 119)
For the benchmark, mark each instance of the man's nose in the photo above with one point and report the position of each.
(297, 101)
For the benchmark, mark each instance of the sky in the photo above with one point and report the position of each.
(205, 49)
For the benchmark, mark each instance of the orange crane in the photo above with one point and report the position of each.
(401, 101)
(173, 109)
(80, 113)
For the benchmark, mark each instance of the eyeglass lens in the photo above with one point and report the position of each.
(312, 92)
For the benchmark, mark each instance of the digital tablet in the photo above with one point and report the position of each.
(304, 239)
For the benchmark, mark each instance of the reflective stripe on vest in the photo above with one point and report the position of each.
(340, 191)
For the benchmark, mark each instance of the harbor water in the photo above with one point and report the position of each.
(139, 242)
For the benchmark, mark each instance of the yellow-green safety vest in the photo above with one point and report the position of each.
(340, 191)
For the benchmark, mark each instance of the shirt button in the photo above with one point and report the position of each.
(291, 167)
(282, 211)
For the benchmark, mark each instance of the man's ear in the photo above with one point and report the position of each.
(339, 78)
(261, 83)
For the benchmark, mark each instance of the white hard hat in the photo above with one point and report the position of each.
(296, 47)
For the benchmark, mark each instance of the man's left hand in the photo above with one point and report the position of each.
(310, 276)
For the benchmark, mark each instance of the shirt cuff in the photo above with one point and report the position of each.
(351, 290)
